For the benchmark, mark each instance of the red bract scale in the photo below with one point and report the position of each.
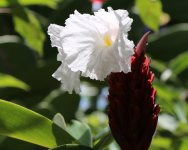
(132, 112)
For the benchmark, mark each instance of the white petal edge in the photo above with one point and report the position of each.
(70, 80)
(54, 31)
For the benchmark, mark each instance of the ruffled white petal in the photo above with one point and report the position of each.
(55, 35)
(125, 47)
(83, 43)
(70, 80)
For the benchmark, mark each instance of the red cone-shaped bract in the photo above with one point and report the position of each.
(132, 111)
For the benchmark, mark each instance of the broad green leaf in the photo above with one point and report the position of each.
(49, 3)
(57, 100)
(59, 120)
(81, 132)
(10, 81)
(27, 25)
(184, 145)
(179, 63)
(150, 12)
(21, 123)
(181, 130)
(161, 142)
(72, 147)
(11, 143)
(105, 140)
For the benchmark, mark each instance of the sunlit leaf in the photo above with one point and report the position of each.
(59, 120)
(27, 25)
(184, 145)
(21, 123)
(162, 142)
(10, 81)
(150, 12)
(81, 132)
(105, 139)
(179, 63)
(166, 92)
(49, 3)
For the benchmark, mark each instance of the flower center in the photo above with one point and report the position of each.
(107, 40)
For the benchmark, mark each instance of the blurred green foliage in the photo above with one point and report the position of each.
(27, 62)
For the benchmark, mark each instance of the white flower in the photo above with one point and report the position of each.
(94, 45)
(70, 80)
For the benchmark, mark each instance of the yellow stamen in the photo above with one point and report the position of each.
(107, 40)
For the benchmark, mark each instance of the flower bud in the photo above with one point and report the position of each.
(132, 111)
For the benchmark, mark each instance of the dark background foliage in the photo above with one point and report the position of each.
(27, 62)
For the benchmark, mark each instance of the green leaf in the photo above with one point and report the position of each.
(150, 12)
(162, 142)
(179, 63)
(49, 3)
(10, 81)
(184, 145)
(166, 92)
(105, 140)
(27, 25)
(72, 147)
(21, 123)
(160, 66)
(57, 100)
(59, 120)
(81, 132)
(11, 143)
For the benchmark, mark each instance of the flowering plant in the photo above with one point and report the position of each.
(113, 95)
(98, 46)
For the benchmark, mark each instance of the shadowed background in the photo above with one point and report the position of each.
(27, 62)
